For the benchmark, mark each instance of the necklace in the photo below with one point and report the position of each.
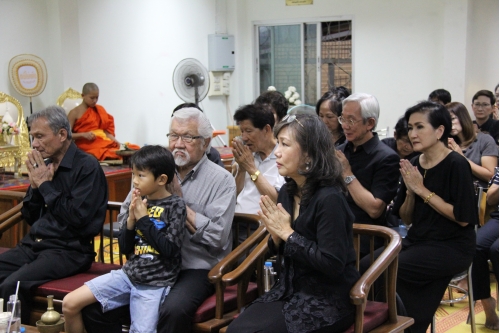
(425, 172)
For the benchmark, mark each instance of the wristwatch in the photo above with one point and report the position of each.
(255, 176)
(349, 179)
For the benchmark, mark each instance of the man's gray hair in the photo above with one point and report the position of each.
(204, 127)
(369, 106)
(56, 117)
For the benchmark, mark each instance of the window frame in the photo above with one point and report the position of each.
(302, 22)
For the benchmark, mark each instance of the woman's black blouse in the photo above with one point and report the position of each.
(319, 262)
(451, 180)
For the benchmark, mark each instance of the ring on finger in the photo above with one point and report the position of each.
(407, 172)
(35, 165)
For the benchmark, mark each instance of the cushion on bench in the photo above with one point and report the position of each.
(206, 310)
(376, 313)
(59, 288)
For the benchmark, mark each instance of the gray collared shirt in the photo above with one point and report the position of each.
(210, 191)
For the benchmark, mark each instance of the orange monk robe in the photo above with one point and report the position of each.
(97, 120)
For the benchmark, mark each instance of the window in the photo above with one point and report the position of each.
(313, 57)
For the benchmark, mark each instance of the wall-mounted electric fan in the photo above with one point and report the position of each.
(191, 81)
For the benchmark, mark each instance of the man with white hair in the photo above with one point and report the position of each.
(370, 168)
(209, 192)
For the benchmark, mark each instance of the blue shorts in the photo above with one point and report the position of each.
(115, 289)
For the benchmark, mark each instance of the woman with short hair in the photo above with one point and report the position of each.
(437, 199)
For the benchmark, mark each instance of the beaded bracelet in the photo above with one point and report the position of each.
(426, 200)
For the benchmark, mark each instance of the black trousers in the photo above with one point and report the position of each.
(486, 248)
(424, 271)
(33, 264)
(176, 312)
(269, 318)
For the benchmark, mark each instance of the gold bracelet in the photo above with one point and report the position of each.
(426, 200)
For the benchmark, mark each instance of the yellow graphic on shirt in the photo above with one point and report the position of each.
(141, 243)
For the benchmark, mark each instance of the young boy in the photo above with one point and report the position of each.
(151, 233)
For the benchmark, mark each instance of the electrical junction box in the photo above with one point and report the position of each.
(219, 83)
(220, 53)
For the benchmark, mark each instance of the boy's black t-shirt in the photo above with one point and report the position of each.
(155, 243)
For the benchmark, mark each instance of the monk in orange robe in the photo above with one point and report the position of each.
(93, 128)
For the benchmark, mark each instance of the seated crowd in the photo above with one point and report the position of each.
(309, 178)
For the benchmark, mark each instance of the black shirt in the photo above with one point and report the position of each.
(340, 140)
(68, 211)
(451, 180)
(214, 156)
(391, 142)
(376, 166)
(489, 127)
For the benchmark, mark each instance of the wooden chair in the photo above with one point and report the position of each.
(218, 310)
(371, 316)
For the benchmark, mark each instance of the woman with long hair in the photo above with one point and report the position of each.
(479, 149)
(311, 227)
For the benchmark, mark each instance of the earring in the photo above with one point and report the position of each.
(308, 166)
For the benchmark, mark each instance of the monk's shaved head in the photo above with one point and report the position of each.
(88, 87)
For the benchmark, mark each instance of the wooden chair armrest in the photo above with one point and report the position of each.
(13, 195)
(248, 218)
(235, 275)
(225, 264)
(114, 204)
(359, 292)
(10, 218)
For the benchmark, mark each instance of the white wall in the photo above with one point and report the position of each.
(482, 48)
(402, 50)
(130, 50)
(24, 29)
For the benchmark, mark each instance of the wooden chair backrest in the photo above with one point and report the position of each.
(386, 264)
(13, 218)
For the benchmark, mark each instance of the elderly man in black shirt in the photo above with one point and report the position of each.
(65, 206)
(370, 168)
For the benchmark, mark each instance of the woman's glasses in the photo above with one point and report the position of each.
(291, 117)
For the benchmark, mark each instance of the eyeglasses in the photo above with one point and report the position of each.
(349, 122)
(184, 138)
(291, 117)
(479, 105)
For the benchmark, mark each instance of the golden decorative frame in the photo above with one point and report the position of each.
(28, 60)
(10, 153)
(70, 93)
